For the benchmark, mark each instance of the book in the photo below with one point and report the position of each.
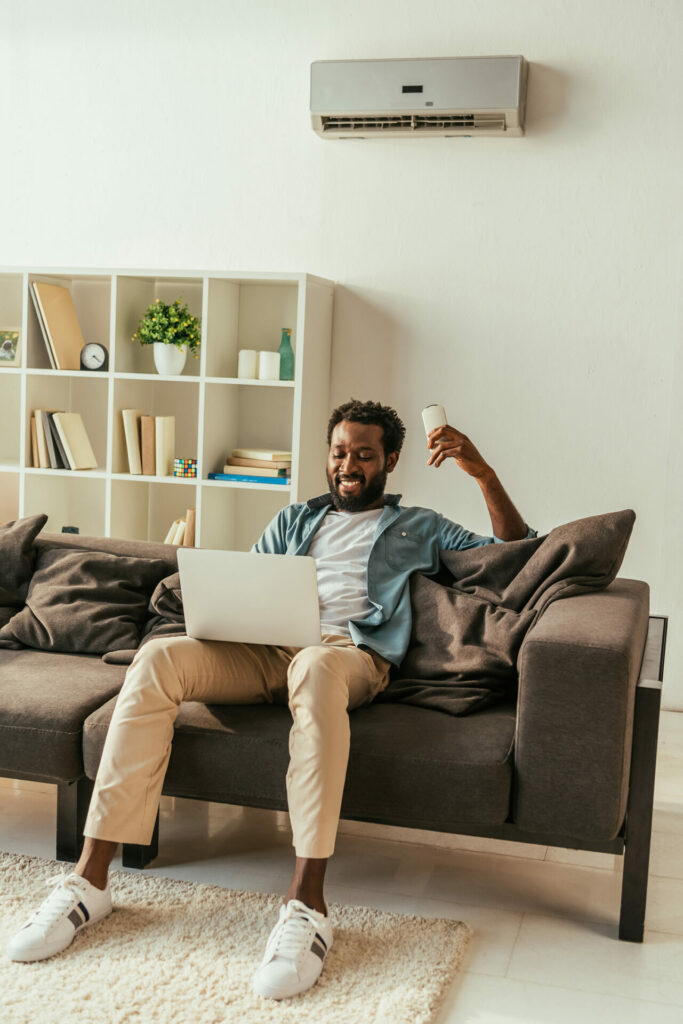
(164, 427)
(265, 463)
(43, 330)
(58, 441)
(245, 478)
(61, 324)
(190, 523)
(34, 443)
(265, 454)
(148, 445)
(254, 471)
(179, 532)
(75, 439)
(43, 456)
(131, 430)
(55, 462)
(168, 539)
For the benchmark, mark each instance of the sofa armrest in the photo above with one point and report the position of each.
(578, 670)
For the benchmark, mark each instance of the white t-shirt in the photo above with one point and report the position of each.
(341, 547)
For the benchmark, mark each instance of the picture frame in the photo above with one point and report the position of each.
(10, 346)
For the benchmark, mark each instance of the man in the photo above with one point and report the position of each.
(366, 546)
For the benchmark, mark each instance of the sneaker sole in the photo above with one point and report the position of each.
(267, 993)
(44, 952)
(265, 990)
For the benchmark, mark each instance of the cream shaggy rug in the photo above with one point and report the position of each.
(181, 953)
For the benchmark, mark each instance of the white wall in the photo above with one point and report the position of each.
(529, 285)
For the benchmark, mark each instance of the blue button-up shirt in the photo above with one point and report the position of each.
(406, 540)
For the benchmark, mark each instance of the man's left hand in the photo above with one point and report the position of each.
(448, 443)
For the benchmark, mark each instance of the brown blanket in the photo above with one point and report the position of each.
(469, 621)
(166, 618)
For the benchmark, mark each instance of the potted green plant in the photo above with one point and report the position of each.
(172, 330)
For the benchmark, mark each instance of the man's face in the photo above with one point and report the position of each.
(356, 468)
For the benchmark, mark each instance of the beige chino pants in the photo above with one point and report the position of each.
(320, 683)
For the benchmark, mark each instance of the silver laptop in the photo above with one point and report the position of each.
(250, 597)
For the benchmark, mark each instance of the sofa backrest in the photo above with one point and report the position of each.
(112, 545)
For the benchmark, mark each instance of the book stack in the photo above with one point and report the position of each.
(59, 440)
(257, 465)
(59, 325)
(150, 441)
(182, 530)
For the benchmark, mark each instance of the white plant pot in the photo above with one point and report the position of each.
(169, 359)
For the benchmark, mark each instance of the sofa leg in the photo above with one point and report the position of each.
(73, 800)
(639, 811)
(134, 856)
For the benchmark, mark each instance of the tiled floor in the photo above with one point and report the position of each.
(544, 951)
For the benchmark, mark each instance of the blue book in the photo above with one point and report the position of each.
(250, 479)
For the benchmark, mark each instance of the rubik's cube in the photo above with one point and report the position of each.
(185, 467)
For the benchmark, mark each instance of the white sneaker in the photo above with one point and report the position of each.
(73, 904)
(295, 952)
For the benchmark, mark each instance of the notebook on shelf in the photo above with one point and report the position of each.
(59, 322)
(75, 440)
(131, 430)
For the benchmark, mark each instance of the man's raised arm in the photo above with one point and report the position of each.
(448, 443)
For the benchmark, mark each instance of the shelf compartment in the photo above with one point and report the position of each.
(133, 296)
(9, 496)
(91, 296)
(156, 397)
(70, 393)
(10, 412)
(144, 509)
(234, 518)
(236, 417)
(69, 499)
(243, 314)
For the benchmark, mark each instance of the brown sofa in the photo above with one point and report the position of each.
(568, 762)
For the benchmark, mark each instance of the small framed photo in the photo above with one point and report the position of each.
(10, 352)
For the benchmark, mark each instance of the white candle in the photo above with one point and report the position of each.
(247, 363)
(269, 366)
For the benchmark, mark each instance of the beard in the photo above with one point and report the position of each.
(368, 493)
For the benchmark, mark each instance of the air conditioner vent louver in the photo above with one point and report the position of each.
(415, 123)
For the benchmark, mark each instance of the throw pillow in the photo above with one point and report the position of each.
(17, 560)
(85, 602)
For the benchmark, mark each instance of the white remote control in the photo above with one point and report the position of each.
(433, 416)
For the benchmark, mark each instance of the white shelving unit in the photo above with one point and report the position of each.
(215, 410)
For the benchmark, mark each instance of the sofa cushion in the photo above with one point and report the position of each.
(86, 602)
(408, 766)
(17, 560)
(44, 700)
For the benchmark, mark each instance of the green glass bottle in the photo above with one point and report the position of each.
(286, 355)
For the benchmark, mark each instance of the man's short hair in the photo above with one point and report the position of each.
(371, 412)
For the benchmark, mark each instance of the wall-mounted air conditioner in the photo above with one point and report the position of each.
(414, 97)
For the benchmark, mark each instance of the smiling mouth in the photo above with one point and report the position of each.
(350, 485)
